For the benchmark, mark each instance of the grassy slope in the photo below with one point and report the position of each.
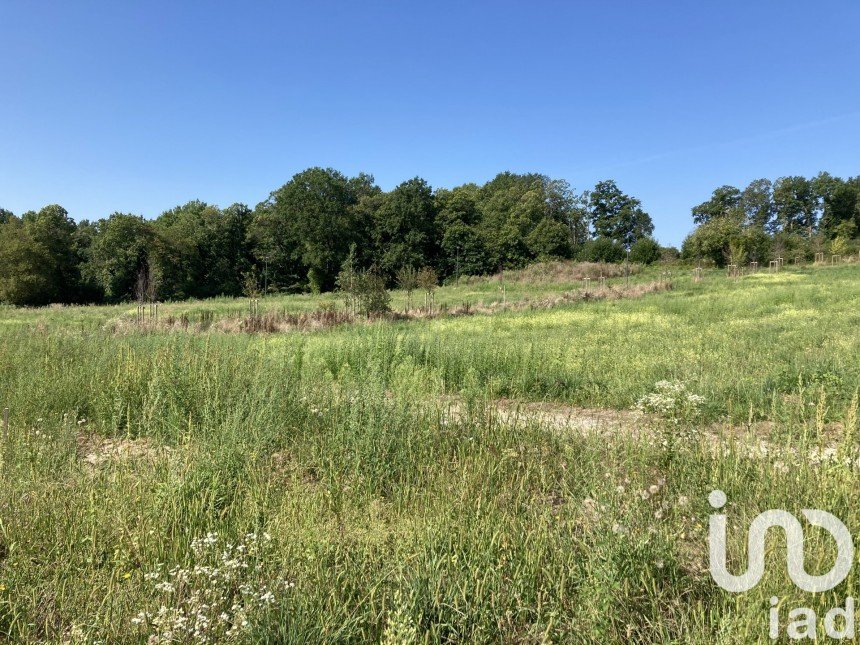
(383, 515)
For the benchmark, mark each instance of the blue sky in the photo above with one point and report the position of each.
(139, 107)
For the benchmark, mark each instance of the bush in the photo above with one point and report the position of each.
(364, 291)
(549, 239)
(669, 254)
(601, 249)
(427, 281)
(713, 241)
(791, 245)
(371, 295)
(645, 251)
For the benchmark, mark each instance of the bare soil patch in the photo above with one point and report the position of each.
(97, 451)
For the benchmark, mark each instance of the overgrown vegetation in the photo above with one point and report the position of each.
(359, 484)
(299, 238)
(792, 217)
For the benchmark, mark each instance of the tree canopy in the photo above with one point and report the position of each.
(791, 216)
(300, 236)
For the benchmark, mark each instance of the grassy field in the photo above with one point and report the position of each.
(358, 484)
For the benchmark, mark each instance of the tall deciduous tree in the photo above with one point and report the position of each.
(310, 221)
(25, 266)
(405, 227)
(757, 203)
(184, 232)
(566, 206)
(88, 290)
(124, 246)
(53, 230)
(206, 249)
(795, 205)
(714, 240)
(227, 252)
(617, 216)
(841, 200)
(723, 201)
(462, 248)
(549, 239)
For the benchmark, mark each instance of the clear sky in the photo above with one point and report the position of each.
(141, 106)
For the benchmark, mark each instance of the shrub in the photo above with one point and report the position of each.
(427, 281)
(549, 239)
(669, 254)
(712, 241)
(601, 249)
(407, 280)
(371, 295)
(645, 250)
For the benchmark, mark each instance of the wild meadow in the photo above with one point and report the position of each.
(360, 482)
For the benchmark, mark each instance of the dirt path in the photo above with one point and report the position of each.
(753, 441)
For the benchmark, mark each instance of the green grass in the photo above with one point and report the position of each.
(394, 520)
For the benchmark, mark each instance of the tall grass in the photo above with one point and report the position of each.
(391, 518)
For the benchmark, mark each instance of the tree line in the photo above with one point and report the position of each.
(300, 238)
(789, 217)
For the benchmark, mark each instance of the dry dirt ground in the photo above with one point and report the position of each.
(753, 440)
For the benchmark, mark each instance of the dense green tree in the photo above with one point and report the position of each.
(307, 226)
(463, 251)
(757, 203)
(26, 266)
(276, 249)
(88, 290)
(405, 228)
(183, 231)
(227, 253)
(795, 205)
(369, 198)
(792, 217)
(206, 253)
(564, 205)
(462, 247)
(843, 233)
(713, 241)
(789, 245)
(124, 248)
(841, 204)
(669, 253)
(645, 250)
(511, 205)
(458, 205)
(618, 216)
(723, 201)
(601, 249)
(756, 244)
(299, 237)
(550, 239)
(53, 229)
(823, 186)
